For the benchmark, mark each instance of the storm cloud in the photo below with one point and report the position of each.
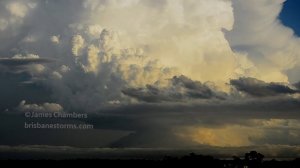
(260, 88)
(180, 89)
(170, 73)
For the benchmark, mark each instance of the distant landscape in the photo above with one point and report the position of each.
(148, 157)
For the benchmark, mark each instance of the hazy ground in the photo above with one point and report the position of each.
(58, 153)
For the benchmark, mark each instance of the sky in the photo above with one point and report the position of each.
(290, 15)
(151, 74)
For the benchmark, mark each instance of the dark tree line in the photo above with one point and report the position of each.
(252, 159)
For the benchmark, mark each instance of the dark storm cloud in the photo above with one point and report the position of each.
(142, 116)
(194, 89)
(13, 91)
(181, 88)
(13, 132)
(23, 62)
(281, 108)
(18, 76)
(258, 88)
(152, 124)
(150, 121)
(148, 94)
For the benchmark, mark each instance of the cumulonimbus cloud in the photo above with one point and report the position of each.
(116, 58)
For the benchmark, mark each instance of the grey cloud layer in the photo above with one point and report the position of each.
(22, 62)
(181, 89)
(260, 88)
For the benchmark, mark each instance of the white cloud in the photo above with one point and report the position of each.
(28, 56)
(186, 34)
(93, 59)
(109, 43)
(42, 108)
(17, 9)
(36, 69)
(94, 68)
(55, 39)
(94, 30)
(56, 75)
(64, 69)
(259, 33)
(77, 45)
(30, 39)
